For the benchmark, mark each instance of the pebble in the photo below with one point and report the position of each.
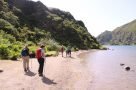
(127, 68)
(122, 64)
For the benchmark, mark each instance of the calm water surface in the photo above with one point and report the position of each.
(106, 70)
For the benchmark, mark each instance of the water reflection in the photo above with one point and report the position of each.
(108, 74)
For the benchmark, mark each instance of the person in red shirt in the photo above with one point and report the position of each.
(41, 59)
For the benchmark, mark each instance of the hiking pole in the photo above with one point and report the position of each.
(44, 66)
(31, 63)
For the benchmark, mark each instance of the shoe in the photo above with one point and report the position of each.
(25, 70)
(41, 75)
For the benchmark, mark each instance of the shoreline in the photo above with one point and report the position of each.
(61, 73)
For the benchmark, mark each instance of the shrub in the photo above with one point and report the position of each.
(4, 51)
(51, 45)
(75, 49)
(32, 49)
(14, 55)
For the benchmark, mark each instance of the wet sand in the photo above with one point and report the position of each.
(60, 73)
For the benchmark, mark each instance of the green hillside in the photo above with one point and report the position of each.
(123, 35)
(28, 22)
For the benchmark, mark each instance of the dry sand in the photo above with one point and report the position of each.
(61, 73)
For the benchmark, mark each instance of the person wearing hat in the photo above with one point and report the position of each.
(41, 58)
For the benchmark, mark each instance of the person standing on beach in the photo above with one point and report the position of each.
(68, 51)
(62, 50)
(25, 58)
(40, 58)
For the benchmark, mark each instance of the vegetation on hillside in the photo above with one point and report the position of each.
(123, 35)
(28, 22)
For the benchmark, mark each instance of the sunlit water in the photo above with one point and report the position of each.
(108, 74)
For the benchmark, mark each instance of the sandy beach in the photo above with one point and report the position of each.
(60, 73)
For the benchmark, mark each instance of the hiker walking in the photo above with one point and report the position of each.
(68, 51)
(41, 58)
(25, 58)
(62, 50)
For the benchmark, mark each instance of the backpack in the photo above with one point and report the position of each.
(24, 52)
(38, 53)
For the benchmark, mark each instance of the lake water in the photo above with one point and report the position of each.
(105, 68)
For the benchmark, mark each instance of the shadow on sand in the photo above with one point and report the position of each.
(47, 81)
(30, 73)
(69, 57)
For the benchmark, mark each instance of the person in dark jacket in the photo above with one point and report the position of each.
(25, 58)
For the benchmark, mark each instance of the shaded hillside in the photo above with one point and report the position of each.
(25, 21)
(105, 37)
(123, 35)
